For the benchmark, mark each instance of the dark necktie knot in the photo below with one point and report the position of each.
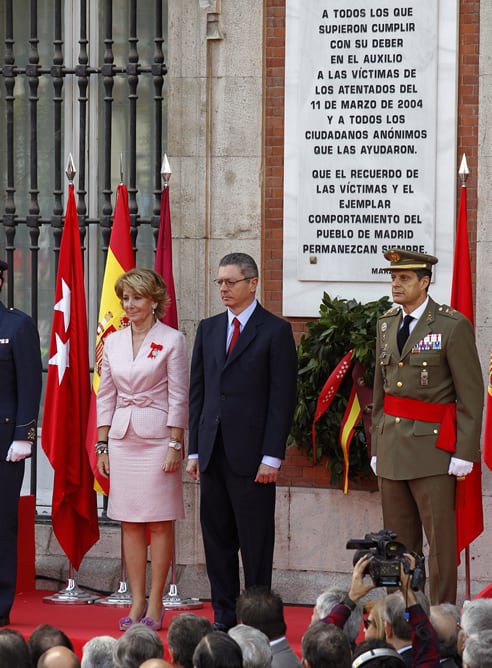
(404, 332)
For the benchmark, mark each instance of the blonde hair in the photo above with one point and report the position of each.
(376, 610)
(147, 283)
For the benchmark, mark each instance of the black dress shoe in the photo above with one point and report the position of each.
(5, 620)
(218, 626)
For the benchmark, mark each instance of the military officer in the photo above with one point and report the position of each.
(427, 416)
(20, 391)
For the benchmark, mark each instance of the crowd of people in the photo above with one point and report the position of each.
(348, 629)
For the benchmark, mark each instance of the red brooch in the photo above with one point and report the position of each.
(154, 350)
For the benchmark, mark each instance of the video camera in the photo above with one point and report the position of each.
(387, 553)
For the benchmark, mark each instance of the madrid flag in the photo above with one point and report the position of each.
(469, 509)
(164, 259)
(111, 315)
(74, 506)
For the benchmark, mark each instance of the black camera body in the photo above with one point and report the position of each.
(387, 553)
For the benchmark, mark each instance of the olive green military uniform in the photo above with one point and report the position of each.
(438, 364)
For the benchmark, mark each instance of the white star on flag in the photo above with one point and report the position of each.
(64, 304)
(61, 358)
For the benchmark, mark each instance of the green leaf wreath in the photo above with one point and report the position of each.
(342, 325)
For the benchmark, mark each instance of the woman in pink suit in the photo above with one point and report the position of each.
(142, 412)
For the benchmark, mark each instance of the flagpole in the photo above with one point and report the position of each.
(122, 596)
(172, 600)
(72, 594)
(463, 172)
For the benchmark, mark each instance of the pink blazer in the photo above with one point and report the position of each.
(150, 391)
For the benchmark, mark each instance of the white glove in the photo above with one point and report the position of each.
(373, 463)
(459, 467)
(18, 451)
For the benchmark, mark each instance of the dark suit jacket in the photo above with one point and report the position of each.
(283, 656)
(20, 378)
(20, 391)
(251, 394)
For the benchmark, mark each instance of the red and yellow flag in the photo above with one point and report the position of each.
(120, 259)
(347, 428)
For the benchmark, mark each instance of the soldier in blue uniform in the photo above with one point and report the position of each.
(20, 391)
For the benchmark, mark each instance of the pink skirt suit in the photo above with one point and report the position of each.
(141, 399)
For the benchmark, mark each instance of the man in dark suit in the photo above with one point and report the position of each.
(20, 391)
(427, 416)
(264, 609)
(242, 399)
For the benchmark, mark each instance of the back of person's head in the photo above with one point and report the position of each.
(445, 618)
(139, 643)
(394, 615)
(45, 636)
(325, 603)
(376, 653)
(478, 650)
(254, 644)
(184, 633)
(98, 652)
(325, 646)
(217, 650)
(155, 663)
(264, 609)
(58, 657)
(477, 616)
(13, 650)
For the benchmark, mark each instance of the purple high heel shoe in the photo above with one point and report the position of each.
(151, 623)
(126, 622)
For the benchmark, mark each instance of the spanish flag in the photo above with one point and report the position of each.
(120, 259)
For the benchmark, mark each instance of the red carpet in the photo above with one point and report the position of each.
(82, 622)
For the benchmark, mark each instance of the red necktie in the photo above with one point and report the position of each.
(235, 335)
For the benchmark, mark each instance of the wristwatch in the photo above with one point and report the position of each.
(173, 443)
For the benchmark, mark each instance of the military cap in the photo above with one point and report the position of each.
(404, 259)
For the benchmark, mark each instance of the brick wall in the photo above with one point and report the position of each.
(297, 469)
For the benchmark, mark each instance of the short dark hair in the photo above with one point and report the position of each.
(217, 650)
(325, 645)
(184, 633)
(245, 262)
(13, 649)
(262, 608)
(45, 636)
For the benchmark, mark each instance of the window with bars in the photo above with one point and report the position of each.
(85, 77)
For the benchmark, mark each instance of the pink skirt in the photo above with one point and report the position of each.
(139, 489)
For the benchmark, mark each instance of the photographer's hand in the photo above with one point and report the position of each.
(359, 587)
(406, 578)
